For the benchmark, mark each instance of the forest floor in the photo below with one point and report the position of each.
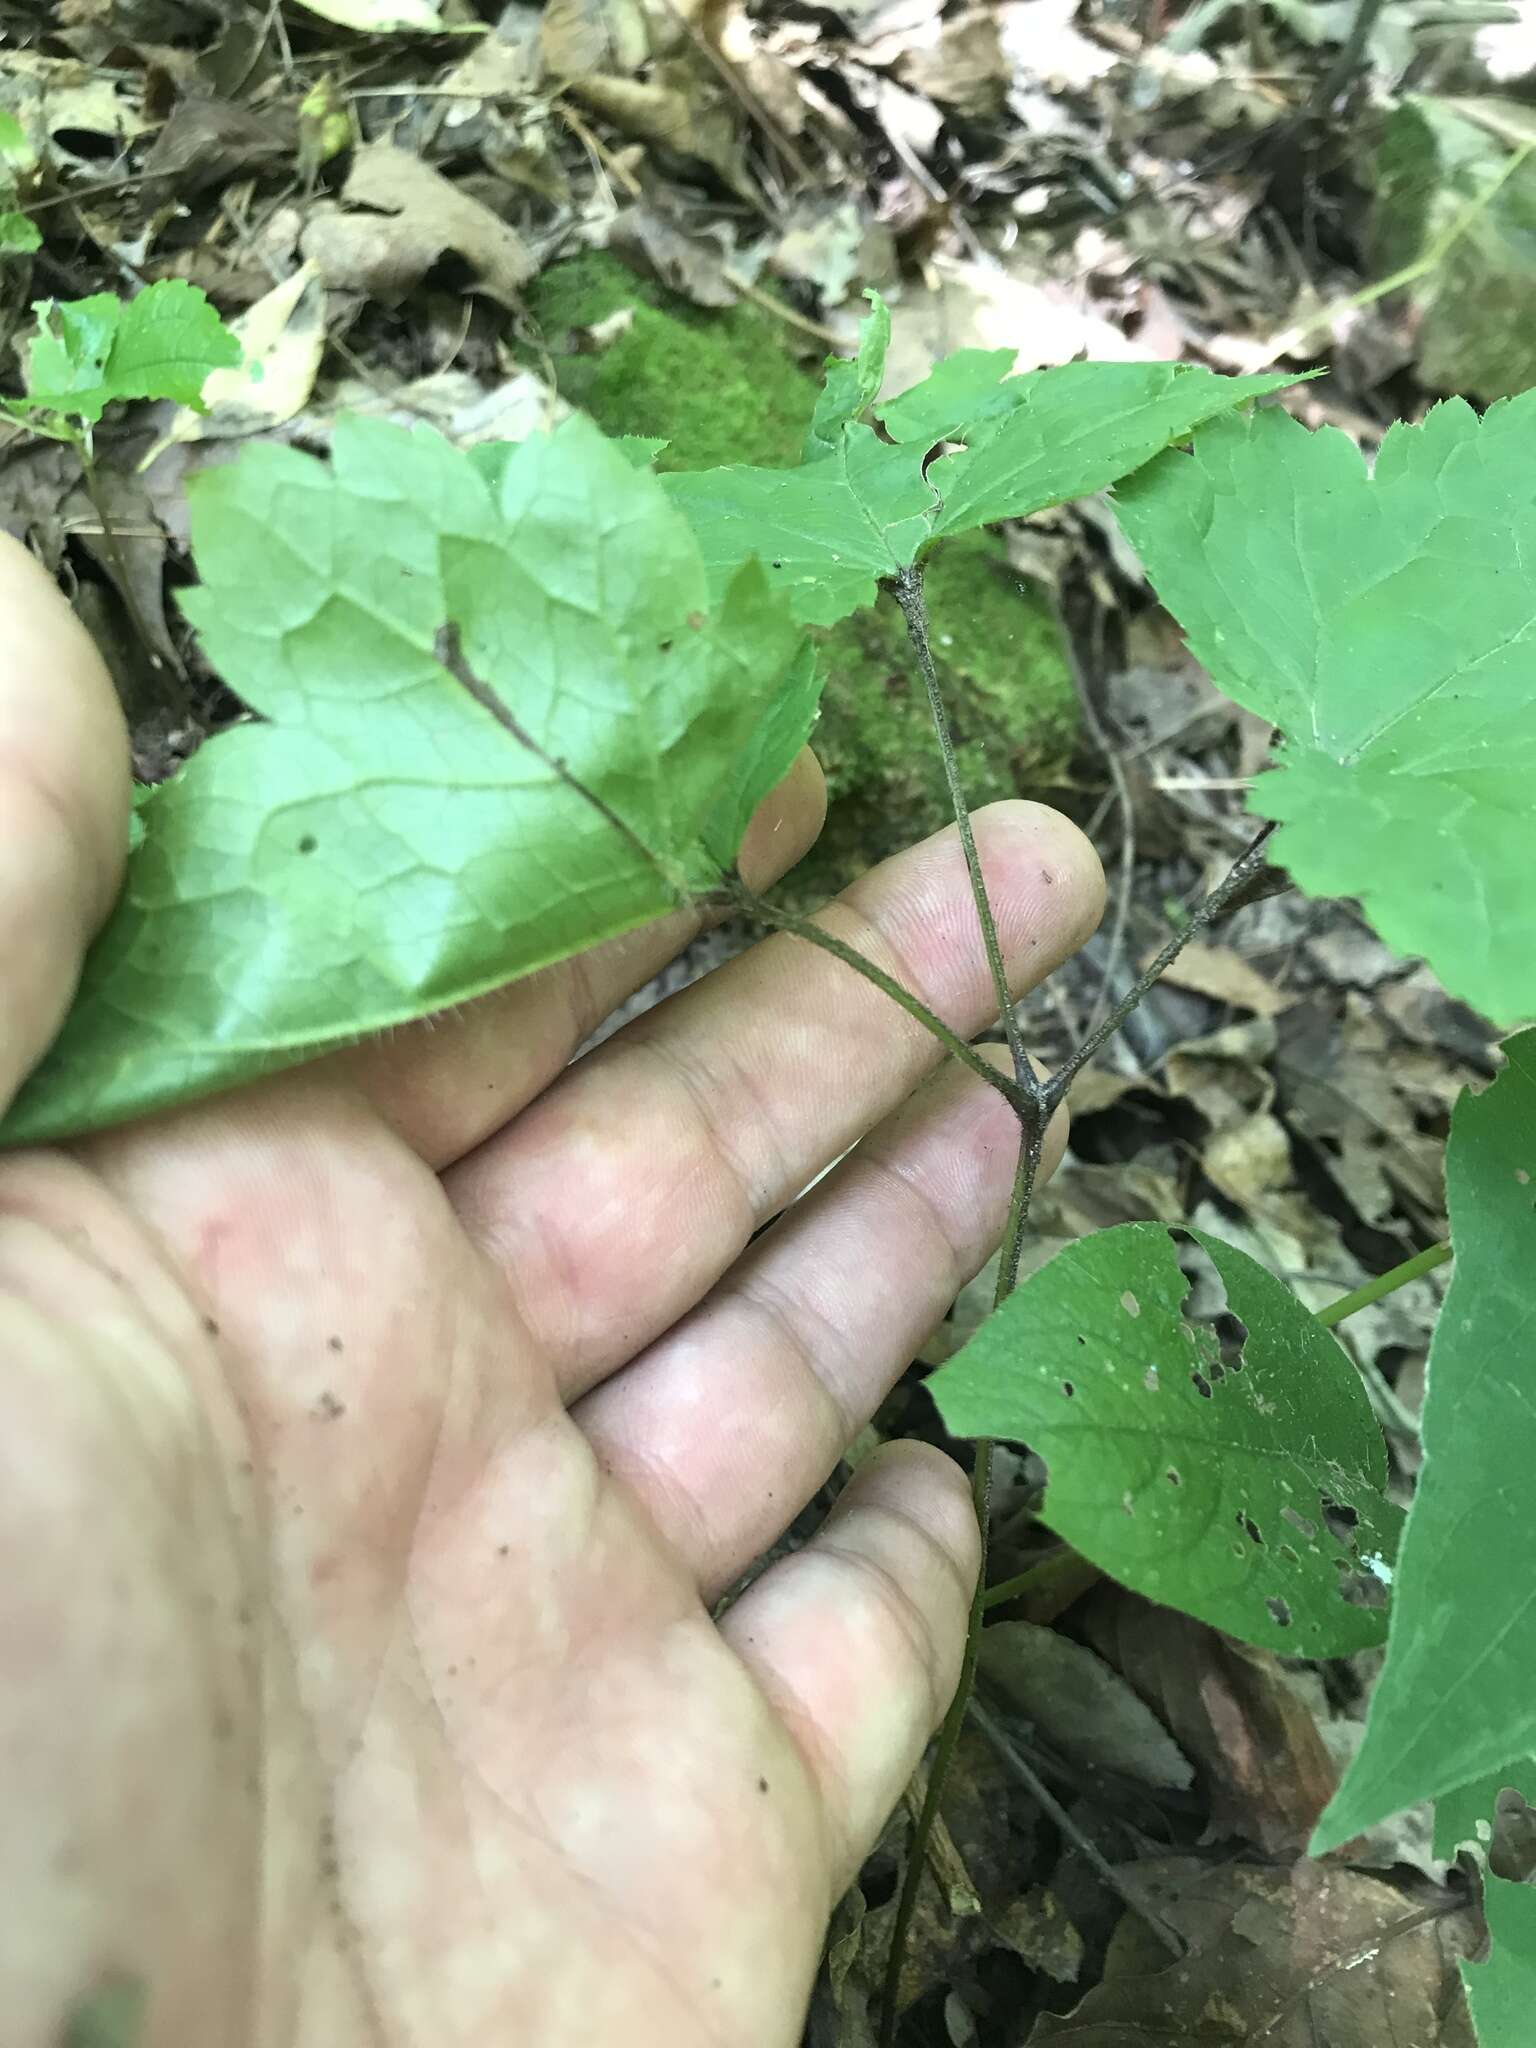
(667, 212)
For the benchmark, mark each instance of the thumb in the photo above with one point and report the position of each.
(64, 798)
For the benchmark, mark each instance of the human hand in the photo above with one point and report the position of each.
(374, 1441)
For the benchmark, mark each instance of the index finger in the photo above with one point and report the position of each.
(64, 801)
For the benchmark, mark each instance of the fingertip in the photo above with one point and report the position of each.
(62, 730)
(925, 1488)
(786, 824)
(1048, 861)
(64, 794)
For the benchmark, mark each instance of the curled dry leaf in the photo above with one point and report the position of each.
(406, 216)
(678, 109)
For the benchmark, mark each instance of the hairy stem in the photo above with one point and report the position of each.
(943, 1757)
(1243, 871)
(1385, 1283)
(908, 591)
(817, 935)
(1033, 1109)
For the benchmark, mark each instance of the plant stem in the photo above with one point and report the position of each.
(817, 935)
(907, 588)
(943, 1757)
(1244, 869)
(1030, 1778)
(1385, 1283)
(1061, 1575)
(1033, 1108)
(1431, 257)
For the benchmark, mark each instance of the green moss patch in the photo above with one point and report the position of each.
(727, 387)
(1005, 681)
(717, 387)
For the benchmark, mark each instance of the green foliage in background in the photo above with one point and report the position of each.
(1386, 623)
(90, 353)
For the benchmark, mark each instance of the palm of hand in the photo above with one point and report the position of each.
(377, 1440)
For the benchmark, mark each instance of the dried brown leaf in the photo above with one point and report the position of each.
(692, 264)
(1261, 1761)
(1224, 976)
(676, 108)
(1249, 1159)
(403, 218)
(1291, 1957)
(580, 37)
(1226, 1074)
(1082, 1708)
(1036, 1927)
(207, 141)
(963, 66)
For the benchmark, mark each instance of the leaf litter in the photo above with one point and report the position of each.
(1044, 178)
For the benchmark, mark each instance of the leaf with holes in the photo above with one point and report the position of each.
(1246, 1491)
(387, 844)
(1464, 1819)
(1457, 1697)
(86, 353)
(864, 508)
(1386, 622)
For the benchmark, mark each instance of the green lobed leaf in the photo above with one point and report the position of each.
(1464, 1817)
(850, 382)
(1200, 1485)
(1457, 1697)
(1387, 625)
(833, 529)
(1076, 429)
(87, 353)
(827, 533)
(959, 394)
(384, 846)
